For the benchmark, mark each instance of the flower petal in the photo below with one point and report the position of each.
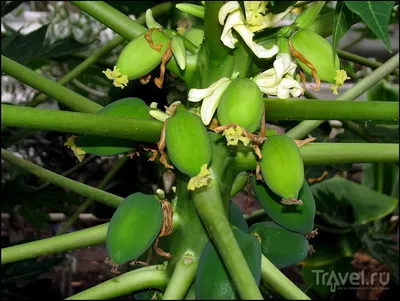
(211, 102)
(234, 19)
(196, 95)
(289, 86)
(258, 50)
(281, 65)
(267, 79)
(226, 9)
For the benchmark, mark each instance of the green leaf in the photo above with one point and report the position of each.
(376, 15)
(342, 21)
(385, 249)
(282, 247)
(27, 269)
(314, 276)
(28, 49)
(343, 203)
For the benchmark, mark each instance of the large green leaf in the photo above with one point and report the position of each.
(342, 203)
(342, 21)
(322, 279)
(282, 247)
(376, 15)
(30, 48)
(384, 249)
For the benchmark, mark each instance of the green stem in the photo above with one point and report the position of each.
(63, 95)
(112, 18)
(136, 280)
(82, 189)
(182, 278)
(82, 67)
(109, 175)
(69, 171)
(348, 56)
(298, 109)
(213, 30)
(359, 131)
(209, 206)
(276, 279)
(81, 123)
(303, 128)
(56, 244)
(332, 153)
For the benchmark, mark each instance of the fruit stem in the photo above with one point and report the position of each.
(280, 283)
(182, 278)
(210, 208)
(136, 280)
(304, 127)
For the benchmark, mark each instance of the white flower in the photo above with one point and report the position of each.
(210, 97)
(279, 80)
(235, 19)
(257, 15)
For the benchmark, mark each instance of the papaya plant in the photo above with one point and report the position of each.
(243, 71)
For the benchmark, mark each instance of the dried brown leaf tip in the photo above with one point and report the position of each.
(312, 234)
(145, 79)
(300, 143)
(165, 58)
(301, 57)
(161, 146)
(114, 266)
(148, 38)
(319, 179)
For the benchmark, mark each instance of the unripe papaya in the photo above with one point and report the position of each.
(282, 247)
(133, 227)
(107, 146)
(195, 35)
(138, 58)
(242, 103)
(296, 218)
(212, 278)
(188, 144)
(318, 52)
(282, 166)
(236, 217)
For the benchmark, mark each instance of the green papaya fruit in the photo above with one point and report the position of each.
(319, 52)
(282, 247)
(236, 217)
(212, 278)
(138, 58)
(188, 144)
(241, 103)
(107, 146)
(134, 226)
(296, 218)
(282, 166)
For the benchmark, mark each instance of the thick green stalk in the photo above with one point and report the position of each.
(63, 95)
(69, 171)
(348, 56)
(112, 18)
(82, 67)
(298, 109)
(81, 123)
(208, 203)
(182, 278)
(56, 179)
(302, 129)
(213, 30)
(332, 153)
(276, 279)
(56, 244)
(153, 277)
(109, 175)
